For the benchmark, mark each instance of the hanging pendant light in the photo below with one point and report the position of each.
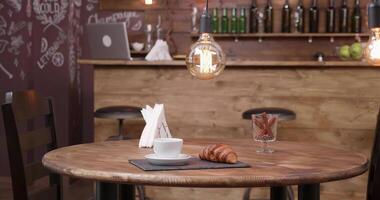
(206, 59)
(372, 52)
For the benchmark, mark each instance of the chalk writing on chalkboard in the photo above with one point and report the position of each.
(50, 12)
(16, 43)
(46, 57)
(15, 62)
(58, 60)
(3, 45)
(29, 48)
(44, 44)
(132, 19)
(15, 27)
(10, 76)
(3, 26)
(22, 75)
(15, 4)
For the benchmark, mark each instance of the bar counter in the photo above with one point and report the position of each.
(336, 105)
(235, 63)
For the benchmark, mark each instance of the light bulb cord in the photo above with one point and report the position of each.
(205, 25)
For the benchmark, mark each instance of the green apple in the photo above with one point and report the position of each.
(356, 51)
(344, 52)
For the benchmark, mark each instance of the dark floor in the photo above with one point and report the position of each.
(79, 190)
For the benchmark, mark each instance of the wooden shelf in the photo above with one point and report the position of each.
(284, 35)
(235, 63)
(131, 62)
(139, 53)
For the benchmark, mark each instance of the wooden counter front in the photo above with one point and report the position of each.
(235, 63)
(335, 106)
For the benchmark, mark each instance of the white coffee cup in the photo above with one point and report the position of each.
(167, 147)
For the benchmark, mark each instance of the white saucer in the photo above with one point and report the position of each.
(155, 160)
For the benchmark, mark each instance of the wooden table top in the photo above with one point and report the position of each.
(292, 163)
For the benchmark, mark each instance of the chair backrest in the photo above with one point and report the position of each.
(21, 109)
(373, 192)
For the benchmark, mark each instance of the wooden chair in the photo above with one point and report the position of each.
(373, 192)
(21, 110)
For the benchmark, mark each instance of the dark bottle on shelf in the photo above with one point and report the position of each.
(300, 17)
(268, 17)
(242, 21)
(286, 12)
(330, 17)
(356, 23)
(224, 22)
(234, 21)
(343, 17)
(314, 17)
(215, 20)
(253, 21)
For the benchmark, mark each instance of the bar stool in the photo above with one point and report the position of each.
(121, 113)
(283, 115)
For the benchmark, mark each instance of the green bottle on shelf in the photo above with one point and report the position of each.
(268, 17)
(242, 21)
(356, 21)
(225, 21)
(343, 17)
(215, 21)
(253, 21)
(234, 21)
(286, 17)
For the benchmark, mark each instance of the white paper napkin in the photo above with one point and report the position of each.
(155, 127)
(160, 51)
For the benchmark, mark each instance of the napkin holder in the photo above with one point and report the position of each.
(155, 127)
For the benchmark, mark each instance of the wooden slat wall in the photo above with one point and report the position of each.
(336, 107)
(176, 15)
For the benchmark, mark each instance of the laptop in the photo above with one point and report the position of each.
(108, 41)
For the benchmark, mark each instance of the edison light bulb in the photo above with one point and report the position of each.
(373, 47)
(148, 2)
(206, 59)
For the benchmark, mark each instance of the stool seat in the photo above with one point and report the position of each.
(283, 114)
(119, 112)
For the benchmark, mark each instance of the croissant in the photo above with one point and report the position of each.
(219, 153)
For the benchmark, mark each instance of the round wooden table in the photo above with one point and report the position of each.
(292, 163)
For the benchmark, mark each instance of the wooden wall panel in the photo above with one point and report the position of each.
(337, 107)
(176, 15)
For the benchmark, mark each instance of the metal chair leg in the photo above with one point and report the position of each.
(247, 194)
(141, 192)
(289, 193)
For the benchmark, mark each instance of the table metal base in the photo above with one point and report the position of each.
(111, 191)
(305, 192)
(309, 192)
(278, 193)
(117, 138)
